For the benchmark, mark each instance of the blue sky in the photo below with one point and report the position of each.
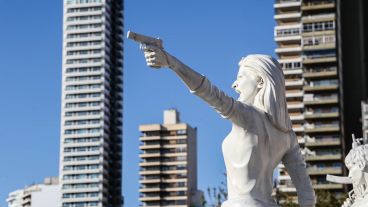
(209, 35)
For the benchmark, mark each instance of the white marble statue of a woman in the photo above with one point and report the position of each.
(261, 134)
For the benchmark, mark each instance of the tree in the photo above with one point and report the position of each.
(327, 199)
(216, 195)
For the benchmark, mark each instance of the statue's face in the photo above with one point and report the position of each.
(247, 85)
(356, 174)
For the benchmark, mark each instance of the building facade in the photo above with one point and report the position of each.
(306, 37)
(38, 195)
(168, 165)
(91, 113)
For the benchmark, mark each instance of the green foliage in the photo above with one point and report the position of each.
(284, 200)
(216, 195)
(324, 199)
(328, 199)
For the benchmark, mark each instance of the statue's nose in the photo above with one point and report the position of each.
(234, 85)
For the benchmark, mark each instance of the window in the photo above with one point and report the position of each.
(83, 69)
(318, 26)
(82, 1)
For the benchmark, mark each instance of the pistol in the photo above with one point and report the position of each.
(145, 40)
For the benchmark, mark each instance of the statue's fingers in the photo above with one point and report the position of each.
(152, 60)
(152, 65)
(149, 47)
(149, 54)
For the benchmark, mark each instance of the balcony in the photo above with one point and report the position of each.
(294, 82)
(287, 186)
(149, 198)
(295, 105)
(328, 186)
(298, 128)
(290, 16)
(149, 138)
(284, 177)
(288, 38)
(322, 46)
(313, 128)
(317, 5)
(149, 190)
(320, 88)
(318, 18)
(318, 28)
(296, 116)
(320, 100)
(150, 172)
(149, 146)
(315, 60)
(320, 115)
(323, 157)
(150, 163)
(293, 71)
(288, 49)
(313, 142)
(294, 93)
(285, 189)
(321, 85)
(289, 33)
(323, 170)
(320, 42)
(149, 181)
(287, 3)
(150, 155)
(321, 72)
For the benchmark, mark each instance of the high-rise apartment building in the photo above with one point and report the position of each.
(168, 166)
(306, 37)
(37, 195)
(91, 113)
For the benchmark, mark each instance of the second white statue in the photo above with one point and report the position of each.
(261, 135)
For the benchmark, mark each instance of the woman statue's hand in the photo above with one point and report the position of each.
(155, 57)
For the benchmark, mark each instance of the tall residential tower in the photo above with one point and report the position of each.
(306, 38)
(91, 113)
(168, 166)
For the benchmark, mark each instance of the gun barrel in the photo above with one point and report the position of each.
(145, 39)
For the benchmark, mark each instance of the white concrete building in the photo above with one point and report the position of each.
(39, 195)
(168, 166)
(91, 113)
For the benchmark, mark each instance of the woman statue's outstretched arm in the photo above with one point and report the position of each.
(197, 83)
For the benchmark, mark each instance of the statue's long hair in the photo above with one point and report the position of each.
(271, 97)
